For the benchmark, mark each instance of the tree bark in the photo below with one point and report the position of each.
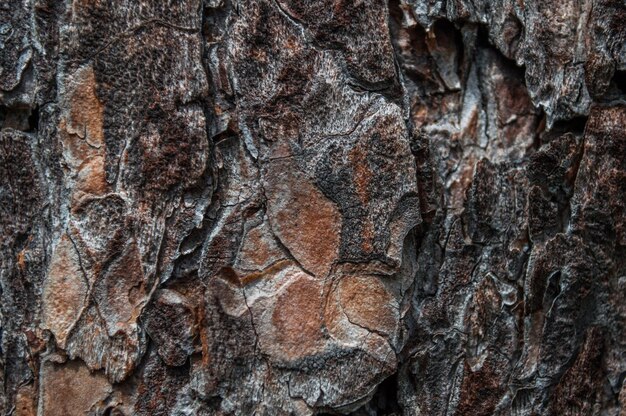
(268, 207)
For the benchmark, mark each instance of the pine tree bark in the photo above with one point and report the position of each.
(268, 207)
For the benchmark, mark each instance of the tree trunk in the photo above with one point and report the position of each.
(292, 207)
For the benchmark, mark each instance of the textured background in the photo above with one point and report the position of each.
(296, 207)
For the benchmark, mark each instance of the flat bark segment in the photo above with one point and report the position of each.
(286, 207)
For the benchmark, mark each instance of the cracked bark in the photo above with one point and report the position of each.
(275, 207)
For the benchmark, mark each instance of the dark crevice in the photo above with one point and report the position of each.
(19, 118)
(384, 401)
(619, 80)
(33, 119)
(574, 125)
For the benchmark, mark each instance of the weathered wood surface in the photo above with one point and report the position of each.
(313, 207)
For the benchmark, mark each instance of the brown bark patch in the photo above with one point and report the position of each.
(64, 290)
(85, 110)
(367, 303)
(297, 318)
(71, 389)
(306, 222)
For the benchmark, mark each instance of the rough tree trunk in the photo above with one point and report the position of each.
(238, 207)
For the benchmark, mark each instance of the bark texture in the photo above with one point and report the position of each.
(294, 207)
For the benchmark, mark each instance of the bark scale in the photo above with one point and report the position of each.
(271, 207)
